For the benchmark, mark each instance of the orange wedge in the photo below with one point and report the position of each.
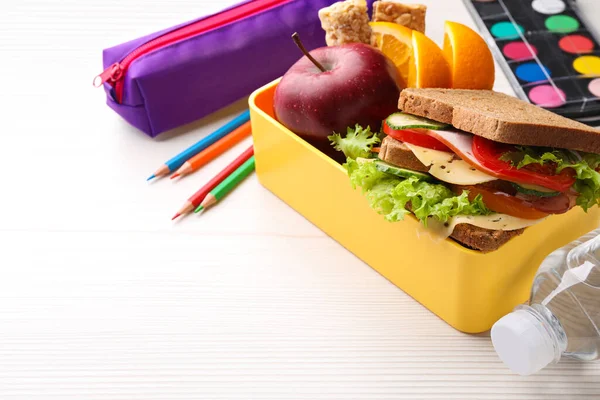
(420, 62)
(429, 68)
(395, 41)
(469, 57)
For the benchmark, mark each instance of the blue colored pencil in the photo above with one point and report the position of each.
(177, 161)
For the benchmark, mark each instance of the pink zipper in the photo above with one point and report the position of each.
(115, 74)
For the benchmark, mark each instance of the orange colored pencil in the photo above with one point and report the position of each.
(214, 150)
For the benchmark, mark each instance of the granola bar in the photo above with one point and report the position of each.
(410, 15)
(346, 22)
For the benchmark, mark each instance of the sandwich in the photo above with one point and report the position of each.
(477, 166)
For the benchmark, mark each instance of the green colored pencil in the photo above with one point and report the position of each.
(227, 185)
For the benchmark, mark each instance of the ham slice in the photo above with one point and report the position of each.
(462, 144)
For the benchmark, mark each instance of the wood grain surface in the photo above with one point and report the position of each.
(103, 298)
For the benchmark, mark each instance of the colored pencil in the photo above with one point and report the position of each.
(195, 200)
(177, 161)
(214, 150)
(227, 185)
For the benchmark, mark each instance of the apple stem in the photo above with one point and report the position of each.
(296, 38)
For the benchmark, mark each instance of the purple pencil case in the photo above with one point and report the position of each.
(178, 75)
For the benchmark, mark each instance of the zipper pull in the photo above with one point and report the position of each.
(110, 74)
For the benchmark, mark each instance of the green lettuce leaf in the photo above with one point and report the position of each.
(545, 157)
(459, 205)
(358, 142)
(587, 182)
(382, 200)
(593, 160)
(436, 200)
(365, 175)
(525, 155)
(390, 195)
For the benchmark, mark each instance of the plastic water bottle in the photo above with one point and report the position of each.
(562, 317)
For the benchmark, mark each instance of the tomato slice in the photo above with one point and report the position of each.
(488, 153)
(416, 137)
(502, 202)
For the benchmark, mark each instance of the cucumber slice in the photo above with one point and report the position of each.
(362, 160)
(401, 172)
(401, 120)
(535, 190)
(393, 170)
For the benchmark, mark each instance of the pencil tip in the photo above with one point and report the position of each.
(200, 208)
(175, 216)
(175, 175)
(150, 178)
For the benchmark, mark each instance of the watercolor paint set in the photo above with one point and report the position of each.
(548, 51)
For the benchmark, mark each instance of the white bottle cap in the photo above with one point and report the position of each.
(522, 342)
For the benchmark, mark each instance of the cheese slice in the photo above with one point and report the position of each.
(496, 221)
(447, 168)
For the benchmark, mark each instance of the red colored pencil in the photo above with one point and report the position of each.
(195, 200)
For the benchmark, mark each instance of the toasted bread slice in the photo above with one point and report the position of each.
(484, 240)
(397, 153)
(499, 117)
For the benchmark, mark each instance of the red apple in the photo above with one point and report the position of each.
(360, 85)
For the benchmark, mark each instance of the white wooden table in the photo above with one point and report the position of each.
(103, 298)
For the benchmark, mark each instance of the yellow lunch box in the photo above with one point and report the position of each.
(467, 289)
